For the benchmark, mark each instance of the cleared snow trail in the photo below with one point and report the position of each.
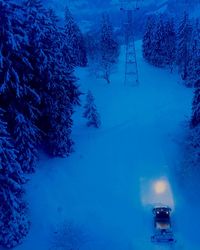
(109, 185)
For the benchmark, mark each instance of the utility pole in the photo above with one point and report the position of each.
(131, 67)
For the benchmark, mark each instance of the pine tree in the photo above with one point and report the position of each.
(193, 80)
(158, 55)
(183, 41)
(53, 74)
(170, 43)
(36, 25)
(75, 40)
(64, 93)
(90, 112)
(16, 73)
(109, 48)
(195, 120)
(26, 137)
(194, 58)
(60, 95)
(59, 139)
(37, 89)
(16, 92)
(13, 221)
(148, 38)
(195, 77)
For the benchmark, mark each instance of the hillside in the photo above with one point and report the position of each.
(107, 187)
(88, 13)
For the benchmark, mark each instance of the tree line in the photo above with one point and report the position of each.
(173, 43)
(176, 44)
(38, 92)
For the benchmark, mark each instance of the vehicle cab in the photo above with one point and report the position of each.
(162, 225)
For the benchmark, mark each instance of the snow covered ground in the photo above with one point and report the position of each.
(118, 172)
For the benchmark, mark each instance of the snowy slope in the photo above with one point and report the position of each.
(108, 186)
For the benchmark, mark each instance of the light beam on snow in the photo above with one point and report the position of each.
(156, 192)
(160, 186)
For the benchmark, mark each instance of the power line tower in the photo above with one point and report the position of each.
(131, 68)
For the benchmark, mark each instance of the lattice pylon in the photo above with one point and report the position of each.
(131, 69)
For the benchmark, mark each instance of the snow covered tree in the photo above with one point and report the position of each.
(90, 112)
(36, 25)
(75, 40)
(53, 75)
(59, 141)
(158, 56)
(60, 94)
(195, 120)
(38, 91)
(194, 78)
(159, 41)
(36, 78)
(14, 225)
(183, 41)
(191, 168)
(26, 137)
(58, 117)
(109, 48)
(194, 58)
(148, 38)
(170, 43)
(16, 92)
